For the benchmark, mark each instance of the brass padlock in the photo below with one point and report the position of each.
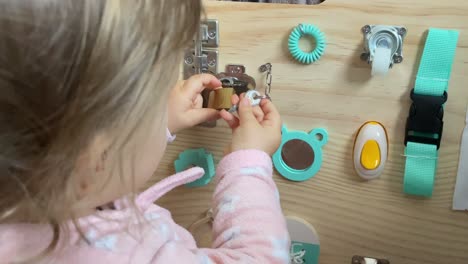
(234, 81)
(222, 98)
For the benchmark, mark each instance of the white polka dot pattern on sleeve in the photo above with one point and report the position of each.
(107, 242)
(255, 171)
(228, 204)
(231, 234)
(280, 249)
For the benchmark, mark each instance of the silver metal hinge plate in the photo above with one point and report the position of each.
(207, 43)
(209, 62)
(210, 33)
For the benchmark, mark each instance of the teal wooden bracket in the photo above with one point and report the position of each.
(196, 158)
(316, 139)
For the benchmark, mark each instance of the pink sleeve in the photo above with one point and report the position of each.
(249, 225)
(169, 136)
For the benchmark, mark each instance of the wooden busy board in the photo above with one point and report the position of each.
(352, 217)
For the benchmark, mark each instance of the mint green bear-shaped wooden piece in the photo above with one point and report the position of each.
(196, 158)
(316, 139)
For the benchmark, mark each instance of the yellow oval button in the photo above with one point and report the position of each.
(370, 155)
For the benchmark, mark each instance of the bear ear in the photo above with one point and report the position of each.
(319, 135)
(284, 129)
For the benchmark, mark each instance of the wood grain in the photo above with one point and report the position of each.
(351, 216)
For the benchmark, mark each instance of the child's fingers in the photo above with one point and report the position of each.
(241, 97)
(245, 111)
(272, 116)
(235, 99)
(258, 113)
(198, 102)
(197, 83)
(230, 119)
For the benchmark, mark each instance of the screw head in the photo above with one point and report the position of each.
(212, 63)
(212, 34)
(402, 31)
(366, 29)
(397, 58)
(365, 56)
(188, 60)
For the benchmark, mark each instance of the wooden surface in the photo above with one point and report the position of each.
(351, 216)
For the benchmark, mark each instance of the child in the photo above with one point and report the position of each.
(84, 107)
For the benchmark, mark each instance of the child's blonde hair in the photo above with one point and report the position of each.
(72, 69)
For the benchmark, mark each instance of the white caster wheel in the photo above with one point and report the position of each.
(381, 62)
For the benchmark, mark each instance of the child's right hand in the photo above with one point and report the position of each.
(255, 128)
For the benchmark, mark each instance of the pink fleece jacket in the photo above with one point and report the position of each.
(248, 227)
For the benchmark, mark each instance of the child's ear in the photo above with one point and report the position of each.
(92, 161)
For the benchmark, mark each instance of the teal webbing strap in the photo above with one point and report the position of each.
(421, 165)
(432, 79)
(436, 62)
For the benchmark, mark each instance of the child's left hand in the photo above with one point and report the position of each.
(185, 103)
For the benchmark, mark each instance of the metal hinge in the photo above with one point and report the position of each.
(203, 58)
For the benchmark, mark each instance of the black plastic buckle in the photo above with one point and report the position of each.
(425, 119)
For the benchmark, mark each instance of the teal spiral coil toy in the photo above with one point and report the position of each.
(293, 43)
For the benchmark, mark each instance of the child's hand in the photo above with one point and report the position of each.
(251, 132)
(185, 103)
